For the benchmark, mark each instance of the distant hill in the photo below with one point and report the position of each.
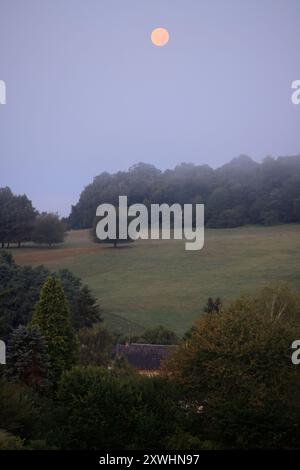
(238, 193)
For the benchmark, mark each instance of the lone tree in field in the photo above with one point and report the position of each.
(115, 240)
(52, 317)
(48, 229)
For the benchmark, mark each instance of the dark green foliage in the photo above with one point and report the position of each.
(98, 409)
(158, 335)
(24, 219)
(95, 346)
(231, 384)
(6, 258)
(213, 305)
(52, 317)
(6, 201)
(19, 292)
(23, 416)
(27, 358)
(236, 369)
(70, 283)
(48, 229)
(15, 407)
(185, 440)
(240, 192)
(107, 188)
(86, 310)
(10, 442)
(162, 413)
(20, 222)
(17, 218)
(189, 333)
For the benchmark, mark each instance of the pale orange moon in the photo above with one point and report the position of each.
(160, 37)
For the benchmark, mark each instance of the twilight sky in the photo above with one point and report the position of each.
(88, 92)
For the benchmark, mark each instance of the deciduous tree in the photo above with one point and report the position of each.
(237, 373)
(48, 229)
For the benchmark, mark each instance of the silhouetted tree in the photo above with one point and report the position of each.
(48, 229)
(17, 218)
(116, 240)
(213, 305)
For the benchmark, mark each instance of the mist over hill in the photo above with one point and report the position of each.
(240, 192)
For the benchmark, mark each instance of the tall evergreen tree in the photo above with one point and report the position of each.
(27, 358)
(52, 317)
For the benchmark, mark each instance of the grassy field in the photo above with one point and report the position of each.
(149, 283)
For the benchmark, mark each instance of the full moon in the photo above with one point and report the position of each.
(160, 37)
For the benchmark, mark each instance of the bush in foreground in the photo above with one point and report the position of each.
(237, 374)
(98, 408)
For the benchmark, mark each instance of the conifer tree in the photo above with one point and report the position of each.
(27, 358)
(52, 317)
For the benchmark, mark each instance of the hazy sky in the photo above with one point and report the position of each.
(88, 92)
